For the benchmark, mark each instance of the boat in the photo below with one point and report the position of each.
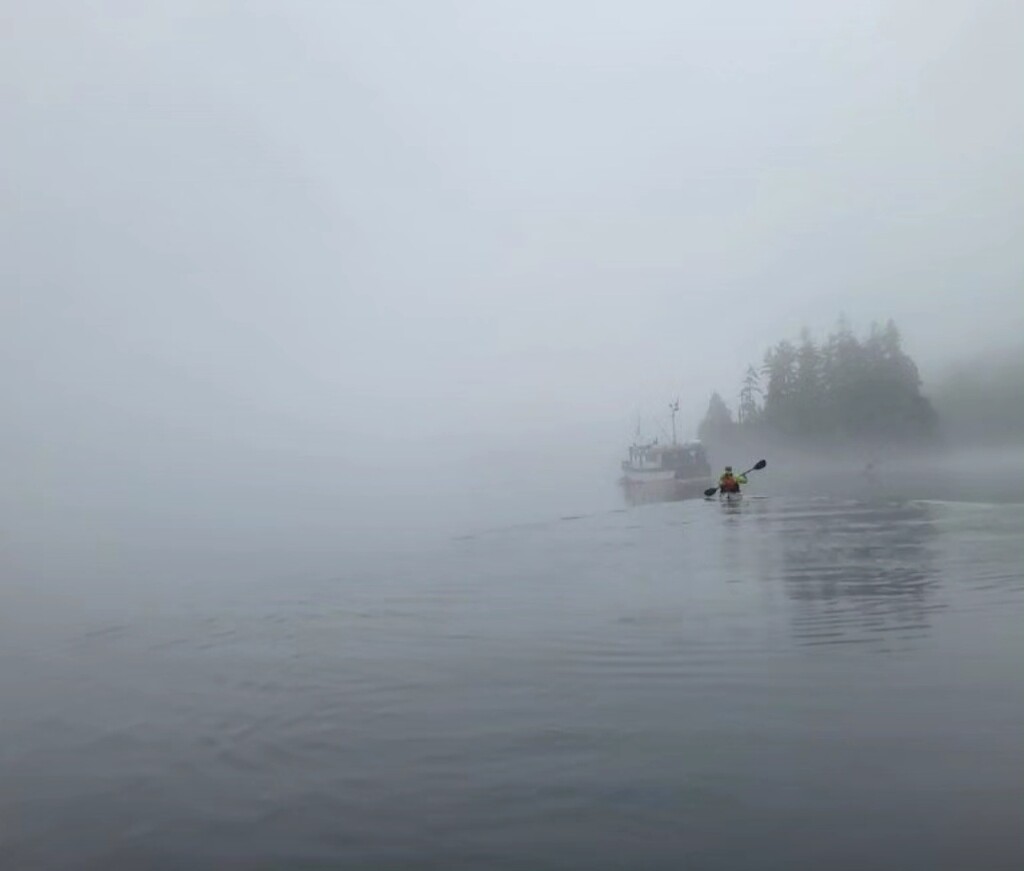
(665, 473)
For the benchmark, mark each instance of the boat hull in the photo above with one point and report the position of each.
(658, 487)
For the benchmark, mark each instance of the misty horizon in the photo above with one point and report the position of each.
(357, 257)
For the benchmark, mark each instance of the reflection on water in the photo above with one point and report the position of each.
(857, 570)
(773, 685)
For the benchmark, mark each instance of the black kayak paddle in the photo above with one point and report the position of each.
(760, 464)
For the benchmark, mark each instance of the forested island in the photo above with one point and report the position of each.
(865, 389)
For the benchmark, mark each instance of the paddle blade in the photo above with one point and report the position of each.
(711, 491)
(759, 465)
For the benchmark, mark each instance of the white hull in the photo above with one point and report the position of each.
(642, 476)
(663, 488)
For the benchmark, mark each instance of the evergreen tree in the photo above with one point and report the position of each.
(807, 386)
(749, 411)
(892, 384)
(841, 377)
(780, 370)
(718, 423)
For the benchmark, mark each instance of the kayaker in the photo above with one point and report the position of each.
(730, 483)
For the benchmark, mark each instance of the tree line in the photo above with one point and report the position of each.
(843, 387)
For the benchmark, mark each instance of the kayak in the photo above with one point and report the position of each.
(725, 497)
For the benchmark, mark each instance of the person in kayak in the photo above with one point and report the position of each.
(730, 483)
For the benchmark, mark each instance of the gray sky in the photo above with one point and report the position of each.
(318, 223)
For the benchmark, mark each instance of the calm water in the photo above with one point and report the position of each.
(786, 684)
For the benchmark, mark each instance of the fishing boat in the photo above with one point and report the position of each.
(665, 473)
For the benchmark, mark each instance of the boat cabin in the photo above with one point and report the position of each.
(687, 460)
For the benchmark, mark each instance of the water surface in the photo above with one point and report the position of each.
(787, 683)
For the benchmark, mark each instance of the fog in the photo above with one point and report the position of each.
(311, 275)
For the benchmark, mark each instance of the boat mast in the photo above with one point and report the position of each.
(674, 408)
